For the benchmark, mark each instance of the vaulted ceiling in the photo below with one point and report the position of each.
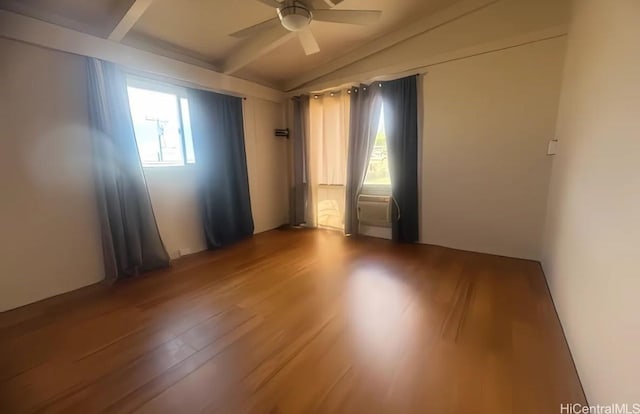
(198, 31)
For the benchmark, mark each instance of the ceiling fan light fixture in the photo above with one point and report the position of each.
(294, 17)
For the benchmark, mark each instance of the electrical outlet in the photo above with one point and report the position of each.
(552, 149)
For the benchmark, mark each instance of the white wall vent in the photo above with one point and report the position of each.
(374, 210)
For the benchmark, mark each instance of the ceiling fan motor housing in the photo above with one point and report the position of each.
(294, 16)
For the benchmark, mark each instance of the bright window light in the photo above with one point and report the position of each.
(161, 123)
(378, 170)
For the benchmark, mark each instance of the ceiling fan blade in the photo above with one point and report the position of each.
(362, 17)
(309, 42)
(257, 29)
(255, 47)
(271, 3)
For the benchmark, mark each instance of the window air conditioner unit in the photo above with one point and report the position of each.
(374, 210)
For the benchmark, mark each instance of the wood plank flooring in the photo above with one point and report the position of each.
(297, 321)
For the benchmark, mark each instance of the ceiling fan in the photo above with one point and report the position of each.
(296, 15)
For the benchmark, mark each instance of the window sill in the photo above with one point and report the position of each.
(167, 166)
(376, 190)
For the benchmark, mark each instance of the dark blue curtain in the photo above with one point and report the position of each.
(400, 99)
(221, 162)
(130, 238)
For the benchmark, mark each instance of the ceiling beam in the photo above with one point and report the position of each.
(130, 18)
(254, 48)
(29, 30)
(430, 22)
(160, 47)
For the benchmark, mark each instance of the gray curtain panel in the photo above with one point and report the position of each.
(400, 99)
(300, 185)
(130, 238)
(366, 104)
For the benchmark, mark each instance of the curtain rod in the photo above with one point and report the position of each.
(378, 79)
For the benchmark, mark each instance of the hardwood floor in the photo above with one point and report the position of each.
(297, 321)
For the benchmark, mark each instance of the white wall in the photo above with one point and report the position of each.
(493, 27)
(485, 172)
(592, 243)
(487, 121)
(490, 97)
(173, 195)
(49, 237)
(267, 163)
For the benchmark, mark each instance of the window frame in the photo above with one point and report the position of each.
(139, 82)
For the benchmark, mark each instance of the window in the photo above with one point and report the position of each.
(160, 114)
(377, 178)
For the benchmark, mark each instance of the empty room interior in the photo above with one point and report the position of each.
(320, 206)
